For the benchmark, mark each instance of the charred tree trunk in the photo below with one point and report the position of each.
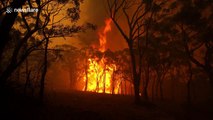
(122, 88)
(137, 90)
(97, 84)
(86, 72)
(113, 84)
(104, 80)
(136, 76)
(146, 83)
(104, 83)
(44, 71)
(97, 78)
(145, 93)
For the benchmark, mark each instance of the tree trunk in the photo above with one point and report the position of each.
(14, 63)
(210, 75)
(86, 82)
(44, 71)
(97, 84)
(145, 94)
(104, 81)
(136, 90)
(113, 83)
(136, 77)
(6, 74)
(7, 24)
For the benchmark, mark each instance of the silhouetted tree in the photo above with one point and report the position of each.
(135, 13)
(194, 25)
(35, 31)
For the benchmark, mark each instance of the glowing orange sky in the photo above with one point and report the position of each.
(93, 11)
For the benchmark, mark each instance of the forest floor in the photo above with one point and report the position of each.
(93, 106)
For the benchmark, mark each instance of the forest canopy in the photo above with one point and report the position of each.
(166, 48)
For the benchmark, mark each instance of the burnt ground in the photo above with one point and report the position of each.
(92, 106)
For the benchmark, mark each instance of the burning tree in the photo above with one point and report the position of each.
(102, 72)
(99, 71)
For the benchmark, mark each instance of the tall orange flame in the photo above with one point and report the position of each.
(99, 74)
(103, 35)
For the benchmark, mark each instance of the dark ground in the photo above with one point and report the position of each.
(91, 106)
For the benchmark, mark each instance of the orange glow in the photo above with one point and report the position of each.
(103, 35)
(100, 74)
